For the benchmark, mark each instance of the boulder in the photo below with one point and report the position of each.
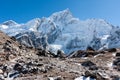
(94, 67)
(112, 50)
(13, 38)
(96, 75)
(90, 74)
(18, 67)
(116, 61)
(118, 54)
(60, 54)
(1, 71)
(41, 52)
(34, 70)
(91, 53)
(100, 76)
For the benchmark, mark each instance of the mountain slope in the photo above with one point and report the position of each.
(61, 31)
(18, 62)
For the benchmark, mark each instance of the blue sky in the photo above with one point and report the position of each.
(22, 11)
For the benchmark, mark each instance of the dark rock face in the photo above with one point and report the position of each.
(77, 54)
(117, 61)
(112, 50)
(18, 67)
(34, 70)
(94, 67)
(80, 53)
(38, 39)
(75, 43)
(87, 64)
(31, 39)
(91, 53)
(90, 74)
(90, 48)
(118, 54)
(114, 38)
(60, 54)
(95, 44)
(95, 75)
(99, 76)
(13, 38)
(41, 52)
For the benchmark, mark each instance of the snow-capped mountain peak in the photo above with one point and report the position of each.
(9, 23)
(61, 17)
(63, 13)
(62, 31)
(33, 24)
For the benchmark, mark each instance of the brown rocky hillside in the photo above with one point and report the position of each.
(18, 62)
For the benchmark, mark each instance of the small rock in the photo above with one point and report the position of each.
(55, 78)
(43, 70)
(1, 71)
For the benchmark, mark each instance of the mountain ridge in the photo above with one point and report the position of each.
(61, 31)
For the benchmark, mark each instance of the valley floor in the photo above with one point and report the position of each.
(99, 67)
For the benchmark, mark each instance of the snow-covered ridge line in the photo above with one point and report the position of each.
(62, 31)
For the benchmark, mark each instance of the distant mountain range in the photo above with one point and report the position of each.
(61, 31)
